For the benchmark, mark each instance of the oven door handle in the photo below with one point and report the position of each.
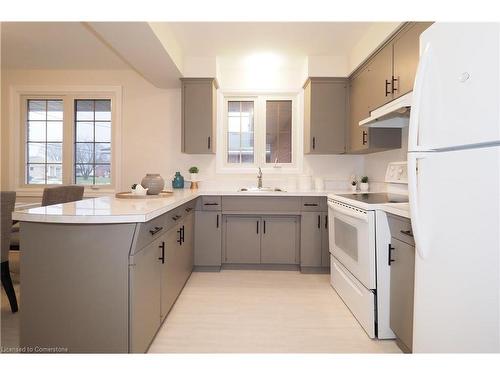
(351, 213)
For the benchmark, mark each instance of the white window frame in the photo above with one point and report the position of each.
(17, 110)
(259, 98)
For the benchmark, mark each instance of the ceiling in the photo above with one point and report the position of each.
(290, 38)
(55, 45)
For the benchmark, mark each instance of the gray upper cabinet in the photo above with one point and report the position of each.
(279, 244)
(379, 78)
(242, 239)
(325, 115)
(208, 239)
(405, 57)
(199, 115)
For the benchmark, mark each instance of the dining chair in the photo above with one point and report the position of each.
(51, 195)
(7, 202)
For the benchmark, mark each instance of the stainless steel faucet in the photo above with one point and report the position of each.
(259, 179)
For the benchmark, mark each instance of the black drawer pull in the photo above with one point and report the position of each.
(310, 204)
(217, 221)
(211, 204)
(390, 260)
(188, 209)
(407, 233)
(155, 230)
(176, 217)
(162, 247)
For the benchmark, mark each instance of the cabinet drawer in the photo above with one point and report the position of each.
(261, 204)
(151, 230)
(313, 204)
(210, 203)
(401, 229)
(359, 300)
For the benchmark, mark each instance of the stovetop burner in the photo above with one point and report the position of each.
(376, 198)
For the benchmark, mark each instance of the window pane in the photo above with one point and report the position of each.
(102, 131)
(35, 173)
(54, 174)
(84, 153)
(240, 136)
(84, 131)
(36, 152)
(54, 152)
(102, 152)
(84, 110)
(36, 131)
(103, 110)
(54, 110)
(54, 131)
(102, 174)
(279, 131)
(37, 110)
(84, 174)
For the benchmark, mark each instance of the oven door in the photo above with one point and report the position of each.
(352, 240)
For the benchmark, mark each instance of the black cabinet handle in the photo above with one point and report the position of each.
(176, 217)
(155, 230)
(310, 204)
(314, 143)
(162, 257)
(217, 221)
(257, 226)
(407, 233)
(326, 222)
(364, 137)
(211, 204)
(182, 234)
(264, 227)
(319, 221)
(390, 260)
(179, 240)
(387, 91)
(209, 143)
(394, 80)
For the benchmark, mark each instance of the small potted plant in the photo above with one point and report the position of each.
(353, 185)
(364, 186)
(194, 173)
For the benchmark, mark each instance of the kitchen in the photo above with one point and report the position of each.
(248, 191)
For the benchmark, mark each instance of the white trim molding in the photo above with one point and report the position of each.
(16, 94)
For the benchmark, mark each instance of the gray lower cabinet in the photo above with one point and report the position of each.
(208, 239)
(242, 239)
(171, 270)
(279, 242)
(402, 263)
(314, 250)
(145, 282)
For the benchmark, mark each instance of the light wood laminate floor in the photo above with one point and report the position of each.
(262, 312)
(242, 311)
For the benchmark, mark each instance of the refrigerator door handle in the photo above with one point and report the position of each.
(414, 204)
(417, 99)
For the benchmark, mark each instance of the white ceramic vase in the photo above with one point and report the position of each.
(154, 183)
(353, 188)
(194, 176)
(364, 186)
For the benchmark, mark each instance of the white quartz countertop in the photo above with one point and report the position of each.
(114, 210)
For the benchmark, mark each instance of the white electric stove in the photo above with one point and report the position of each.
(359, 242)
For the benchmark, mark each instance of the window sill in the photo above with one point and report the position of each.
(37, 192)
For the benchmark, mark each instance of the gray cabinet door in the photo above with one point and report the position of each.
(172, 272)
(242, 239)
(325, 250)
(145, 296)
(208, 239)
(325, 115)
(198, 115)
(187, 246)
(406, 55)
(279, 240)
(380, 78)
(310, 239)
(359, 110)
(402, 284)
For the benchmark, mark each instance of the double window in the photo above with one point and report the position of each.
(259, 131)
(68, 140)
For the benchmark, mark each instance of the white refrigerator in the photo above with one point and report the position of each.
(454, 189)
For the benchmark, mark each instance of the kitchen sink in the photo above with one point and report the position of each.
(261, 190)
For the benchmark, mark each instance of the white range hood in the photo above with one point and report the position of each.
(395, 114)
